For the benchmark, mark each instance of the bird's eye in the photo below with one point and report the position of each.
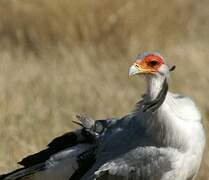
(153, 63)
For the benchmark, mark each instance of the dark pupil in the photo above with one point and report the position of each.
(153, 63)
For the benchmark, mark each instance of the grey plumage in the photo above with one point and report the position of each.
(120, 131)
(132, 150)
(138, 163)
(162, 139)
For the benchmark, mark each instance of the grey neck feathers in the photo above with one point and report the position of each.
(156, 94)
(155, 85)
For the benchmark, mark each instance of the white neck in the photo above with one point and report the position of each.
(166, 123)
(170, 126)
(155, 83)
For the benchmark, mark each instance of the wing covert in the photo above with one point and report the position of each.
(141, 163)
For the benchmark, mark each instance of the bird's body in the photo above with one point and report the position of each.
(163, 139)
(173, 135)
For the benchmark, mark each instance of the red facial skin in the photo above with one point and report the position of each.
(150, 64)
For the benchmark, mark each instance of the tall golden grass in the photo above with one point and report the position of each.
(61, 57)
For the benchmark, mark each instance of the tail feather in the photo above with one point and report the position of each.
(61, 165)
(22, 172)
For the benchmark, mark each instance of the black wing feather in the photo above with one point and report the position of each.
(56, 145)
(62, 142)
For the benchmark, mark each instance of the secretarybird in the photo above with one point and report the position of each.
(162, 139)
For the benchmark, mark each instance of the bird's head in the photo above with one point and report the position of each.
(150, 63)
(153, 66)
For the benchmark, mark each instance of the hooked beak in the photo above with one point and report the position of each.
(133, 70)
(140, 68)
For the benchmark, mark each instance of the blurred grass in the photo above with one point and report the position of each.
(60, 57)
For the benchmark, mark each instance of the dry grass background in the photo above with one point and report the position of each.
(61, 57)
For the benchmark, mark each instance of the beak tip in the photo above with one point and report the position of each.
(132, 71)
